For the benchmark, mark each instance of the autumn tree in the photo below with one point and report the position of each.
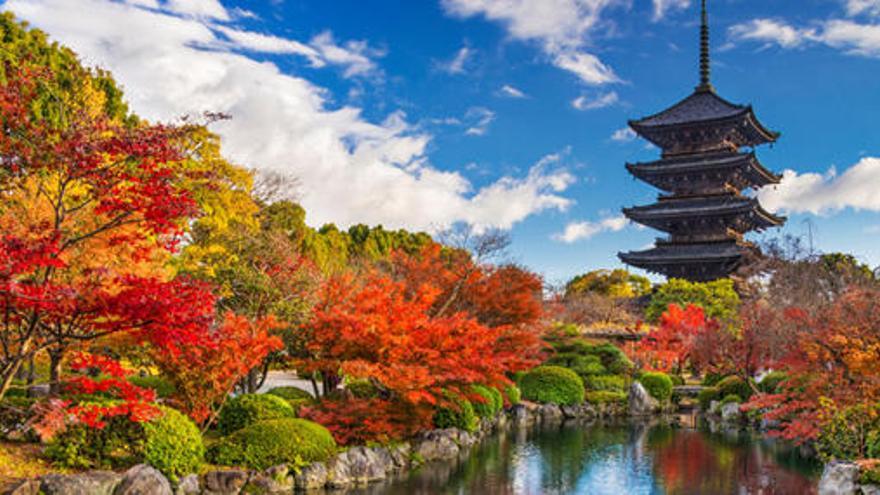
(718, 298)
(610, 283)
(668, 346)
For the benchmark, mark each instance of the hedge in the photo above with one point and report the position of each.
(606, 397)
(734, 385)
(173, 444)
(553, 385)
(514, 395)
(493, 404)
(264, 444)
(771, 381)
(247, 409)
(612, 383)
(458, 414)
(659, 385)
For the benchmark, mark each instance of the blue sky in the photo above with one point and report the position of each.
(502, 113)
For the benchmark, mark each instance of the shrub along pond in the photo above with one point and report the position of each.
(615, 458)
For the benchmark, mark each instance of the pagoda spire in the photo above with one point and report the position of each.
(705, 64)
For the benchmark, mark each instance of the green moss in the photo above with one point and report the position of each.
(264, 444)
(247, 409)
(659, 385)
(553, 385)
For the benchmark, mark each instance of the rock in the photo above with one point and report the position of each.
(38, 391)
(578, 411)
(550, 413)
(311, 477)
(189, 485)
(715, 408)
(520, 415)
(839, 478)
(143, 480)
(400, 456)
(276, 479)
(640, 401)
(89, 483)
(437, 444)
(225, 482)
(870, 489)
(730, 412)
(26, 487)
(355, 466)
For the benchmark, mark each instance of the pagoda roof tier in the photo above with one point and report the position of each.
(704, 213)
(741, 170)
(696, 262)
(716, 119)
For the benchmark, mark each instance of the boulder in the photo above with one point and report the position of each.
(189, 485)
(276, 479)
(640, 401)
(26, 487)
(355, 466)
(839, 478)
(400, 455)
(579, 411)
(39, 391)
(730, 412)
(143, 479)
(520, 415)
(311, 477)
(226, 482)
(89, 483)
(550, 413)
(870, 489)
(437, 444)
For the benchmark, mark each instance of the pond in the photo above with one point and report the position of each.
(621, 459)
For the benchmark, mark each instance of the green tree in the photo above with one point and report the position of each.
(718, 298)
(611, 283)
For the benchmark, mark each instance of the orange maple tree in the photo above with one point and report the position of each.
(668, 346)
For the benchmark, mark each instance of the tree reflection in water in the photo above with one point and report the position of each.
(613, 459)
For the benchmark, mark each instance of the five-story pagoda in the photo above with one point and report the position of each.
(703, 173)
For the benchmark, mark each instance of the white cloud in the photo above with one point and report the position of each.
(351, 169)
(511, 92)
(267, 43)
(855, 188)
(560, 27)
(851, 37)
(859, 7)
(456, 65)
(479, 119)
(355, 56)
(578, 231)
(601, 101)
(661, 7)
(211, 9)
(623, 135)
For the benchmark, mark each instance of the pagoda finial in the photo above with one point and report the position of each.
(705, 83)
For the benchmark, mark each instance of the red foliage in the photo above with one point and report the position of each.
(205, 370)
(669, 346)
(355, 421)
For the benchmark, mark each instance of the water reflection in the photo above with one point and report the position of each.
(613, 459)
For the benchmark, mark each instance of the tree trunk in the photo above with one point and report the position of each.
(8, 374)
(32, 372)
(56, 356)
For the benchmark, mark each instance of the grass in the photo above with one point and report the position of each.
(21, 460)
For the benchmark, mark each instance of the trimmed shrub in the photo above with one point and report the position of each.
(612, 383)
(513, 394)
(706, 396)
(173, 444)
(459, 414)
(849, 433)
(247, 409)
(296, 442)
(606, 397)
(677, 380)
(160, 385)
(582, 365)
(729, 399)
(553, 385)
(290, 393)
(659, 385)
(771, 381)
(614, 359)
(493, 401)
(734, 385)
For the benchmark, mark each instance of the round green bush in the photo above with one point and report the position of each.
(659, 385)
(459, 414)
(513, 394)
(290, 393)
(731, 399)
(553, 385)
(706, 396)
(493, 404)
(677, 380)
(606, 397)
(611, 383)
(264, 444)
(771, 381)
(734, 385)
(160, 385)
(173, 444)
(711, 379)
(247, 409)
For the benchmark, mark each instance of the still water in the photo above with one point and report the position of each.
(615, 460)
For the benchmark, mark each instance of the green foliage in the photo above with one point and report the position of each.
(458, 414)
(173, 444)
(612, 283)
(553, 385)
(290, 393)
(734, 385)
(514, 395)
(14, 413)
(731, 399)
(771, 381)
(706, 396)
(600, 397)
(711, 379)
(612, 383)
(718, 298)
(362, 389)
(296, 442)
(588, 359)
(493, 404)
(247, 409)
(677, 380)
(163, 387)
(659, 385)
(847, 265)
(870, 476)
(848, 434)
